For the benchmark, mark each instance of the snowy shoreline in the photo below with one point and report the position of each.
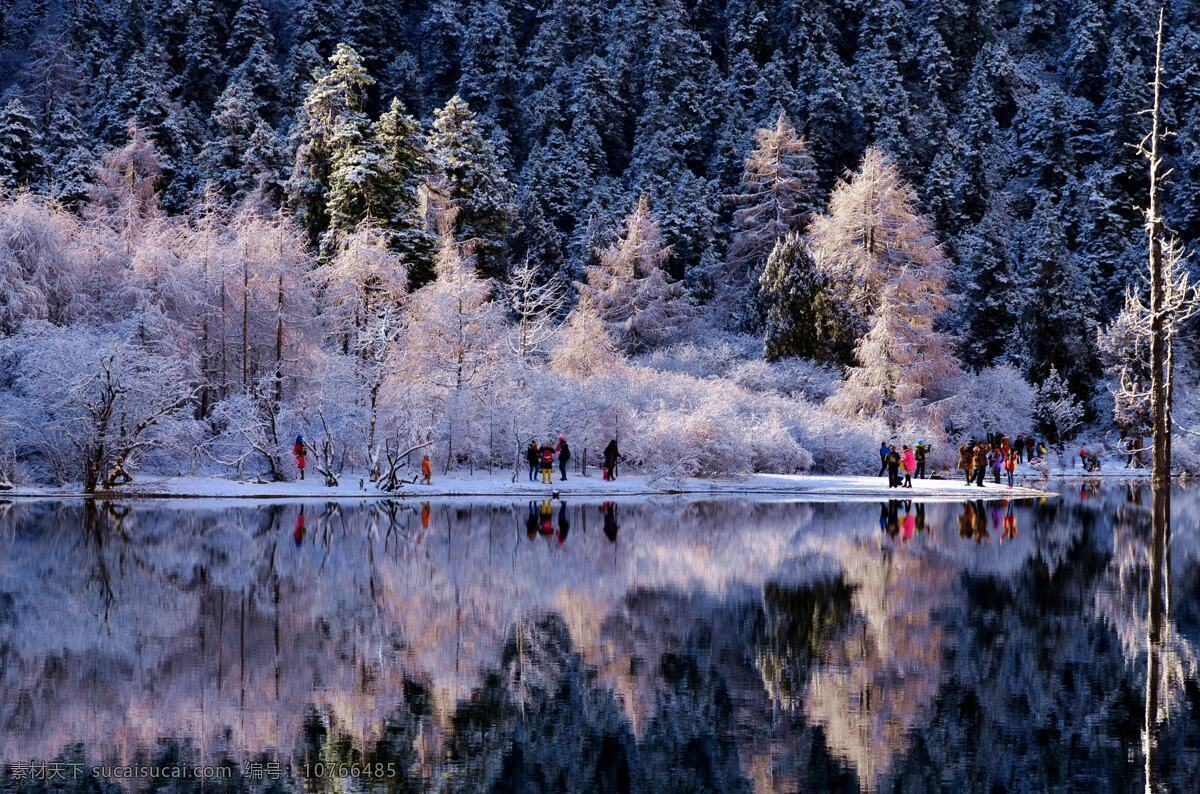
(816, 487)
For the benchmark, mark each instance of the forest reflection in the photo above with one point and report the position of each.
(670, 645)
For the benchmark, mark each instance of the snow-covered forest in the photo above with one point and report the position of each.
(737, 234)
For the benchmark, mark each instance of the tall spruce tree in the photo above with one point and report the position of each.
(330, 132)
(20, 147)
(470, 188)
(775, 198)
(802, 313)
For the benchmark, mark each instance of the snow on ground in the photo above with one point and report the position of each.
(807, 486)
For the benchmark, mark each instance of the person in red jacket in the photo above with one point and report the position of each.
(426, 471)
(547, 459)
(300, 450)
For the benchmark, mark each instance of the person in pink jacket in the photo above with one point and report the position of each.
(908, 461)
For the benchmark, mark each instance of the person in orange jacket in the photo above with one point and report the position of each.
(426, 471)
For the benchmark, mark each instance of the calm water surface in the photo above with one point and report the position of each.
(660, 646)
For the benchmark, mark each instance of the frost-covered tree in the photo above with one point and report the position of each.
(1125, 349)
(774, 199)
(363, 277)
(630, 290)
(452, 347)
(803, 317)
(872, 234)
(585, 348)
(1057, 413)
(536, 303)
(95, 401)
(125, 191)
(902, 362)
(20, 147)
(470, 187)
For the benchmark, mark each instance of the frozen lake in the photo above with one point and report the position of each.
(640, 645)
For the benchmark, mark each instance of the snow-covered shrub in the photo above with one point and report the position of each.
(839, 445)
(796, 377)
(715, 357)
(995, 400)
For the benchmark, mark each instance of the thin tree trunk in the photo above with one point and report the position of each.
(279, 342)
(245, 323)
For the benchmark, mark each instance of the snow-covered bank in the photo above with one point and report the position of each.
(501, 485)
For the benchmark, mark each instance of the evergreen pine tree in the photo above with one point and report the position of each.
(470, 187)
(20, 147)
(329, 133)
(251, 25)
(1059, 329)
(406, 164)
(802, 314)
(992, 311)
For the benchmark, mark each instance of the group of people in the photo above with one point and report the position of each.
(910, 460)
(999, 454)
(541, 460)
(540, 521)
(972, 521)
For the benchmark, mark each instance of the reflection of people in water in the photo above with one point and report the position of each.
(883, 517)
(298, 534)
(980, 523)
(920, 516)
(910, 522)
(997, 510)
(426, 512)
(1010, 522)
(966, 520)
(564, 525)
(610, 520)
(531, 521)
(547, 523)
(893, 517)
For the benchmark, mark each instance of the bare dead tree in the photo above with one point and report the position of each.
(389, 478)
(1172, 300)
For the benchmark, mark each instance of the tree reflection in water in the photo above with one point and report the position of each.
(685, 646)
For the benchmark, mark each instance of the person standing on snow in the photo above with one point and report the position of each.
(1010, 465)
(966, 454)
(998, 456)
(426, 470)
(884, 449)
(909, 461)
(921, 453)
(564, 456)
(1019, 446)
(893, 467)
(532, 457)
(300, 450)
(546, 456)
(1029, 445)
(611, 456)
(980, 463)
